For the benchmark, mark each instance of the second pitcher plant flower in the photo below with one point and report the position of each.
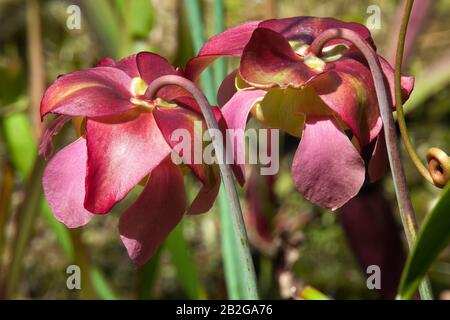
(329, 102)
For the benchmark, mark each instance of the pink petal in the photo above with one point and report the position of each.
(227, 89)
(155, 213)
(269, 61)
(327, 168)
(63, 183)
(94, 92)
(121, 152)
(231, 42)
(235, 113)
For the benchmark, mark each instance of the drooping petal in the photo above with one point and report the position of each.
(379, 160)
(231, 42)
(327, 169)
(348, 89)
(121, 152)
(207, 194)
(64, 187)
(235, 113)
(306, 29)
(94, 92)
(227, 89)
(159, 208)
(46, 146)
(268, 60)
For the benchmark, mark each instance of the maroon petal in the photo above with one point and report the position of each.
(235, 113)
(176, 118)
(327, 168)
(306, 29)
(375, 237)
(268, 60)
(94, 92)
(231, 42)
(348, 89)
(121, 152)
(155, 213)
(63, 183)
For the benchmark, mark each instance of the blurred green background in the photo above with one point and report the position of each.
(304, 245)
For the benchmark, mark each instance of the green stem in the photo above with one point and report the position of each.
(230, 249)
(425, 287)
(433, 175)
(238, 227)
(398, 174)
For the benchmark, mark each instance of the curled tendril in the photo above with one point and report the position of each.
(438, 166)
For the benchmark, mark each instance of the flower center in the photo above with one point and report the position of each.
(138, 88)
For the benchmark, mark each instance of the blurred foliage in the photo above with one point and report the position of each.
(189, 265)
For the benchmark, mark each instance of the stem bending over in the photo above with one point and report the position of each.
(398, 173)
(225, 170)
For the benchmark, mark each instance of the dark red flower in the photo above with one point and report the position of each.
(329, 102)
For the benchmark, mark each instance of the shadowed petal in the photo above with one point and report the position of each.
(64, 181)
(231, 42)
(227, 89)
(374, 235)
(379, 160)
(327, 168)
(155, 213)
(268, 60)
(235, 112)
(46, 146)
(120, 153)
(94, 92)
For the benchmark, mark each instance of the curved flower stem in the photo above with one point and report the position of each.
(398, 174)
(226, 173)
(438, 172)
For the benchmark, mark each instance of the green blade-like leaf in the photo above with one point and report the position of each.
(20, 142)
(184, 263)
(101, 285)
(434, 236)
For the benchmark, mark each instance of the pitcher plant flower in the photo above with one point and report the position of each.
(124, 140)
(329, 102)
